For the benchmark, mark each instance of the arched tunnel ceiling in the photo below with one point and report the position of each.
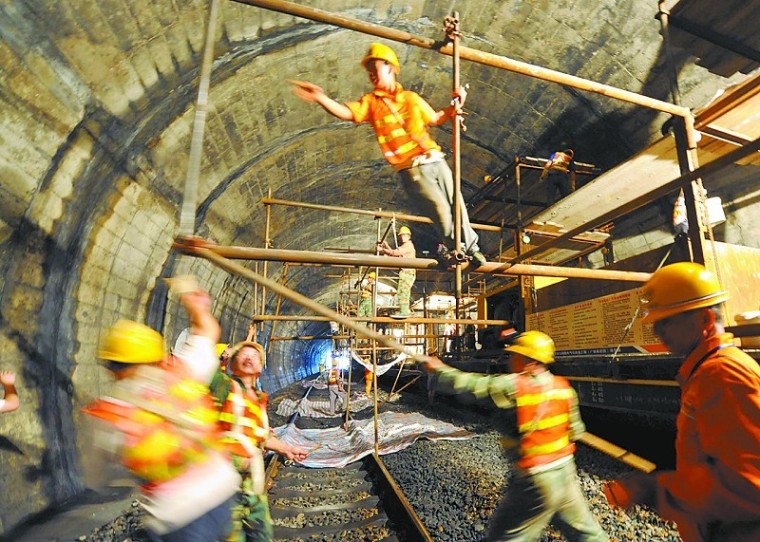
(98, 102)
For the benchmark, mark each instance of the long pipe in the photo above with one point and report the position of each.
(375, 214)
(480, 57)
(189, 207)
(300, 299)
(390, 262)
(377, 319)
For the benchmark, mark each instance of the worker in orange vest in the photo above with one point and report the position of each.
(246, 433)
(560, 174)
(544, 481)
(334, 386)
(400, 119)
(161, 421)
(714, 493)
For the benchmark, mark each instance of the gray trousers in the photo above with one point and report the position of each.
(531, 501)
(431, 188)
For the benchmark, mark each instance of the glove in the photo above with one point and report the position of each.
(635, 488)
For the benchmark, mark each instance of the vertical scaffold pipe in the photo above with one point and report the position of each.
(190, 196)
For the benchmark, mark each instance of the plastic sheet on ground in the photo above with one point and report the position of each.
(320, 408)
(317, 384)
(335, 447)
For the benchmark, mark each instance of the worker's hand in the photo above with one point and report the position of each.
(460, 95)
(308, 92)
(635, 488)
(295, 453)
(7, 378)
(433, 363)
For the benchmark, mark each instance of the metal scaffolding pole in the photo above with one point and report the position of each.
(390, 262)
(375, 320)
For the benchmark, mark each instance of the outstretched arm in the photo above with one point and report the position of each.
(310, 92)
(294, 453)
(11, 402)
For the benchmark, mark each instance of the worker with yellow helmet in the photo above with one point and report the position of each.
(548, 422)
(161, 412)
(406, 277)
(365, 297)
(714, 493)
(400, 119)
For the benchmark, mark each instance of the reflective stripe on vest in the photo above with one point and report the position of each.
(168, 422)
(543, 420)
(560, 162)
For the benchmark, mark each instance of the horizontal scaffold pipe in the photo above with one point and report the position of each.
(196, 249)
(378, 320)
(375, 214)
(390, 262)
(473, 55)
(339, 337)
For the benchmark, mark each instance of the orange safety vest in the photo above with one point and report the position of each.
(244, 422)
(168, 420)
(401, 128)
(543, 421)
(560, 161)
(332, 377)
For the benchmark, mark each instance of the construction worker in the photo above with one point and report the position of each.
(560, 170)
(406, 277)
(400, 119)
(245, 425)
(10, 400)
(162, 422)
(714, 493)
(368, 381)
(334, 386)
(544, 481)
(365, 299)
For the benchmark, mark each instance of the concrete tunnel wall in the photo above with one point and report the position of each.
(97, 111)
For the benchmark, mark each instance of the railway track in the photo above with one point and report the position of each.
(359, 502)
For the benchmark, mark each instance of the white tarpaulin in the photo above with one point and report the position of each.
(320, 408)
(335, 447)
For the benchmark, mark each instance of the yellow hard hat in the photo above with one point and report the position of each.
(256, 346)
(381, 52)
(371, 275)
(534, 345)
(219, 348)
(132, 342)
(680, 287)
(404, 230)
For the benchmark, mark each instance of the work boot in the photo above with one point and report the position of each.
(477, 259)
(403, 311)
(444, 257)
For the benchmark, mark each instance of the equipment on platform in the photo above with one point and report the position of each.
(678, 288)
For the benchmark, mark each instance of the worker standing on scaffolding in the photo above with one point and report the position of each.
(560, 170)
(400, 119)
(406, 277)
(365, 299)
